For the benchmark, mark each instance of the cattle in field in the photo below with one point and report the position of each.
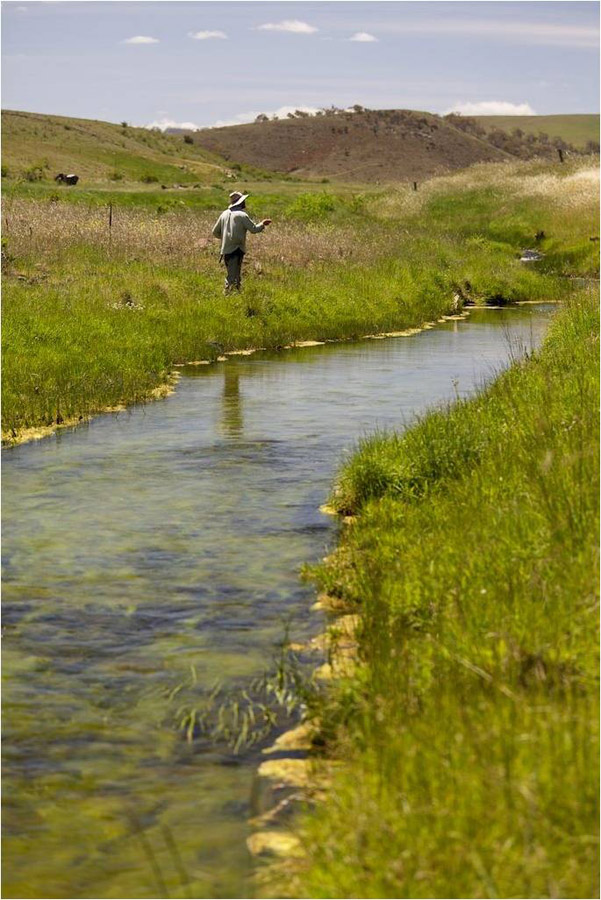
(61, 178)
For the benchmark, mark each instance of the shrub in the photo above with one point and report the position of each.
(188, 139)
(34, 173)
(116, 176)
(312, 207)
(149, 179)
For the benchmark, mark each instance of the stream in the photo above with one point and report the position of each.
(162, 546)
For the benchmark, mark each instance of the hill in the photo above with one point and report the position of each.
(370, 145)
(373, 145)
(354, 146)
(37, 147)
(574, 129)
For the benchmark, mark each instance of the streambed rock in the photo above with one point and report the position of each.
(274, 843)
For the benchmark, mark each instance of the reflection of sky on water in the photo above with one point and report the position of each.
(168, 537)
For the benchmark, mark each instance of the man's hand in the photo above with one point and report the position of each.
(266, 222)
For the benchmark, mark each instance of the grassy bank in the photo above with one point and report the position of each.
(469, 734)
(96, 316)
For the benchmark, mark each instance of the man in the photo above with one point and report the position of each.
(231, 228)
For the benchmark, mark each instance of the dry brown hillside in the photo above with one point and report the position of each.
(369, 145)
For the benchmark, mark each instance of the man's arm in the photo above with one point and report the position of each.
(217, 228)
(255, 227)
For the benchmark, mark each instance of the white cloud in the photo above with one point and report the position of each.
(281, 113)
(165, 123)
(492, 108)
(292, 25)
(560, 35)
(140, 39)
(207, 35)
(362, 37)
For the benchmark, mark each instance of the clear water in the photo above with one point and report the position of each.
(168, 537)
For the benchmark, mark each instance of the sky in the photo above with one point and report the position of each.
(198, 64)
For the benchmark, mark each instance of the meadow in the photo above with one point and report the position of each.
(468, 735)
(464, 740)
(106, 290)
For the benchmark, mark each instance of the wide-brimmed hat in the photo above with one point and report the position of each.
(236, 198)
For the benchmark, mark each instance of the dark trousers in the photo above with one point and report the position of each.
(233, 265)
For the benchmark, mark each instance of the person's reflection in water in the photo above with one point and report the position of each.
(231, 419)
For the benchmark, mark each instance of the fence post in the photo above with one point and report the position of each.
(560, 153)
(110, 223)
(415, 185)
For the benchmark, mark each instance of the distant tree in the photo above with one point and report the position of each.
(301, 114)
(123, 124)
(358, 108)
(497, 138)
(290, 115)
(262, 118)
(560, 144)
(188, 139)
(592, 147)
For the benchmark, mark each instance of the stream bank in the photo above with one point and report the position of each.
(36, 433)
(471, 565)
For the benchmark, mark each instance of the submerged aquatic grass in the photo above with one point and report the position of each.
(244, 717)
(97, 316)
(469, 736)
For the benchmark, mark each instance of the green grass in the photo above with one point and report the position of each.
(94, 318)
(469, 735)
(95, 150)
(305, 200)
